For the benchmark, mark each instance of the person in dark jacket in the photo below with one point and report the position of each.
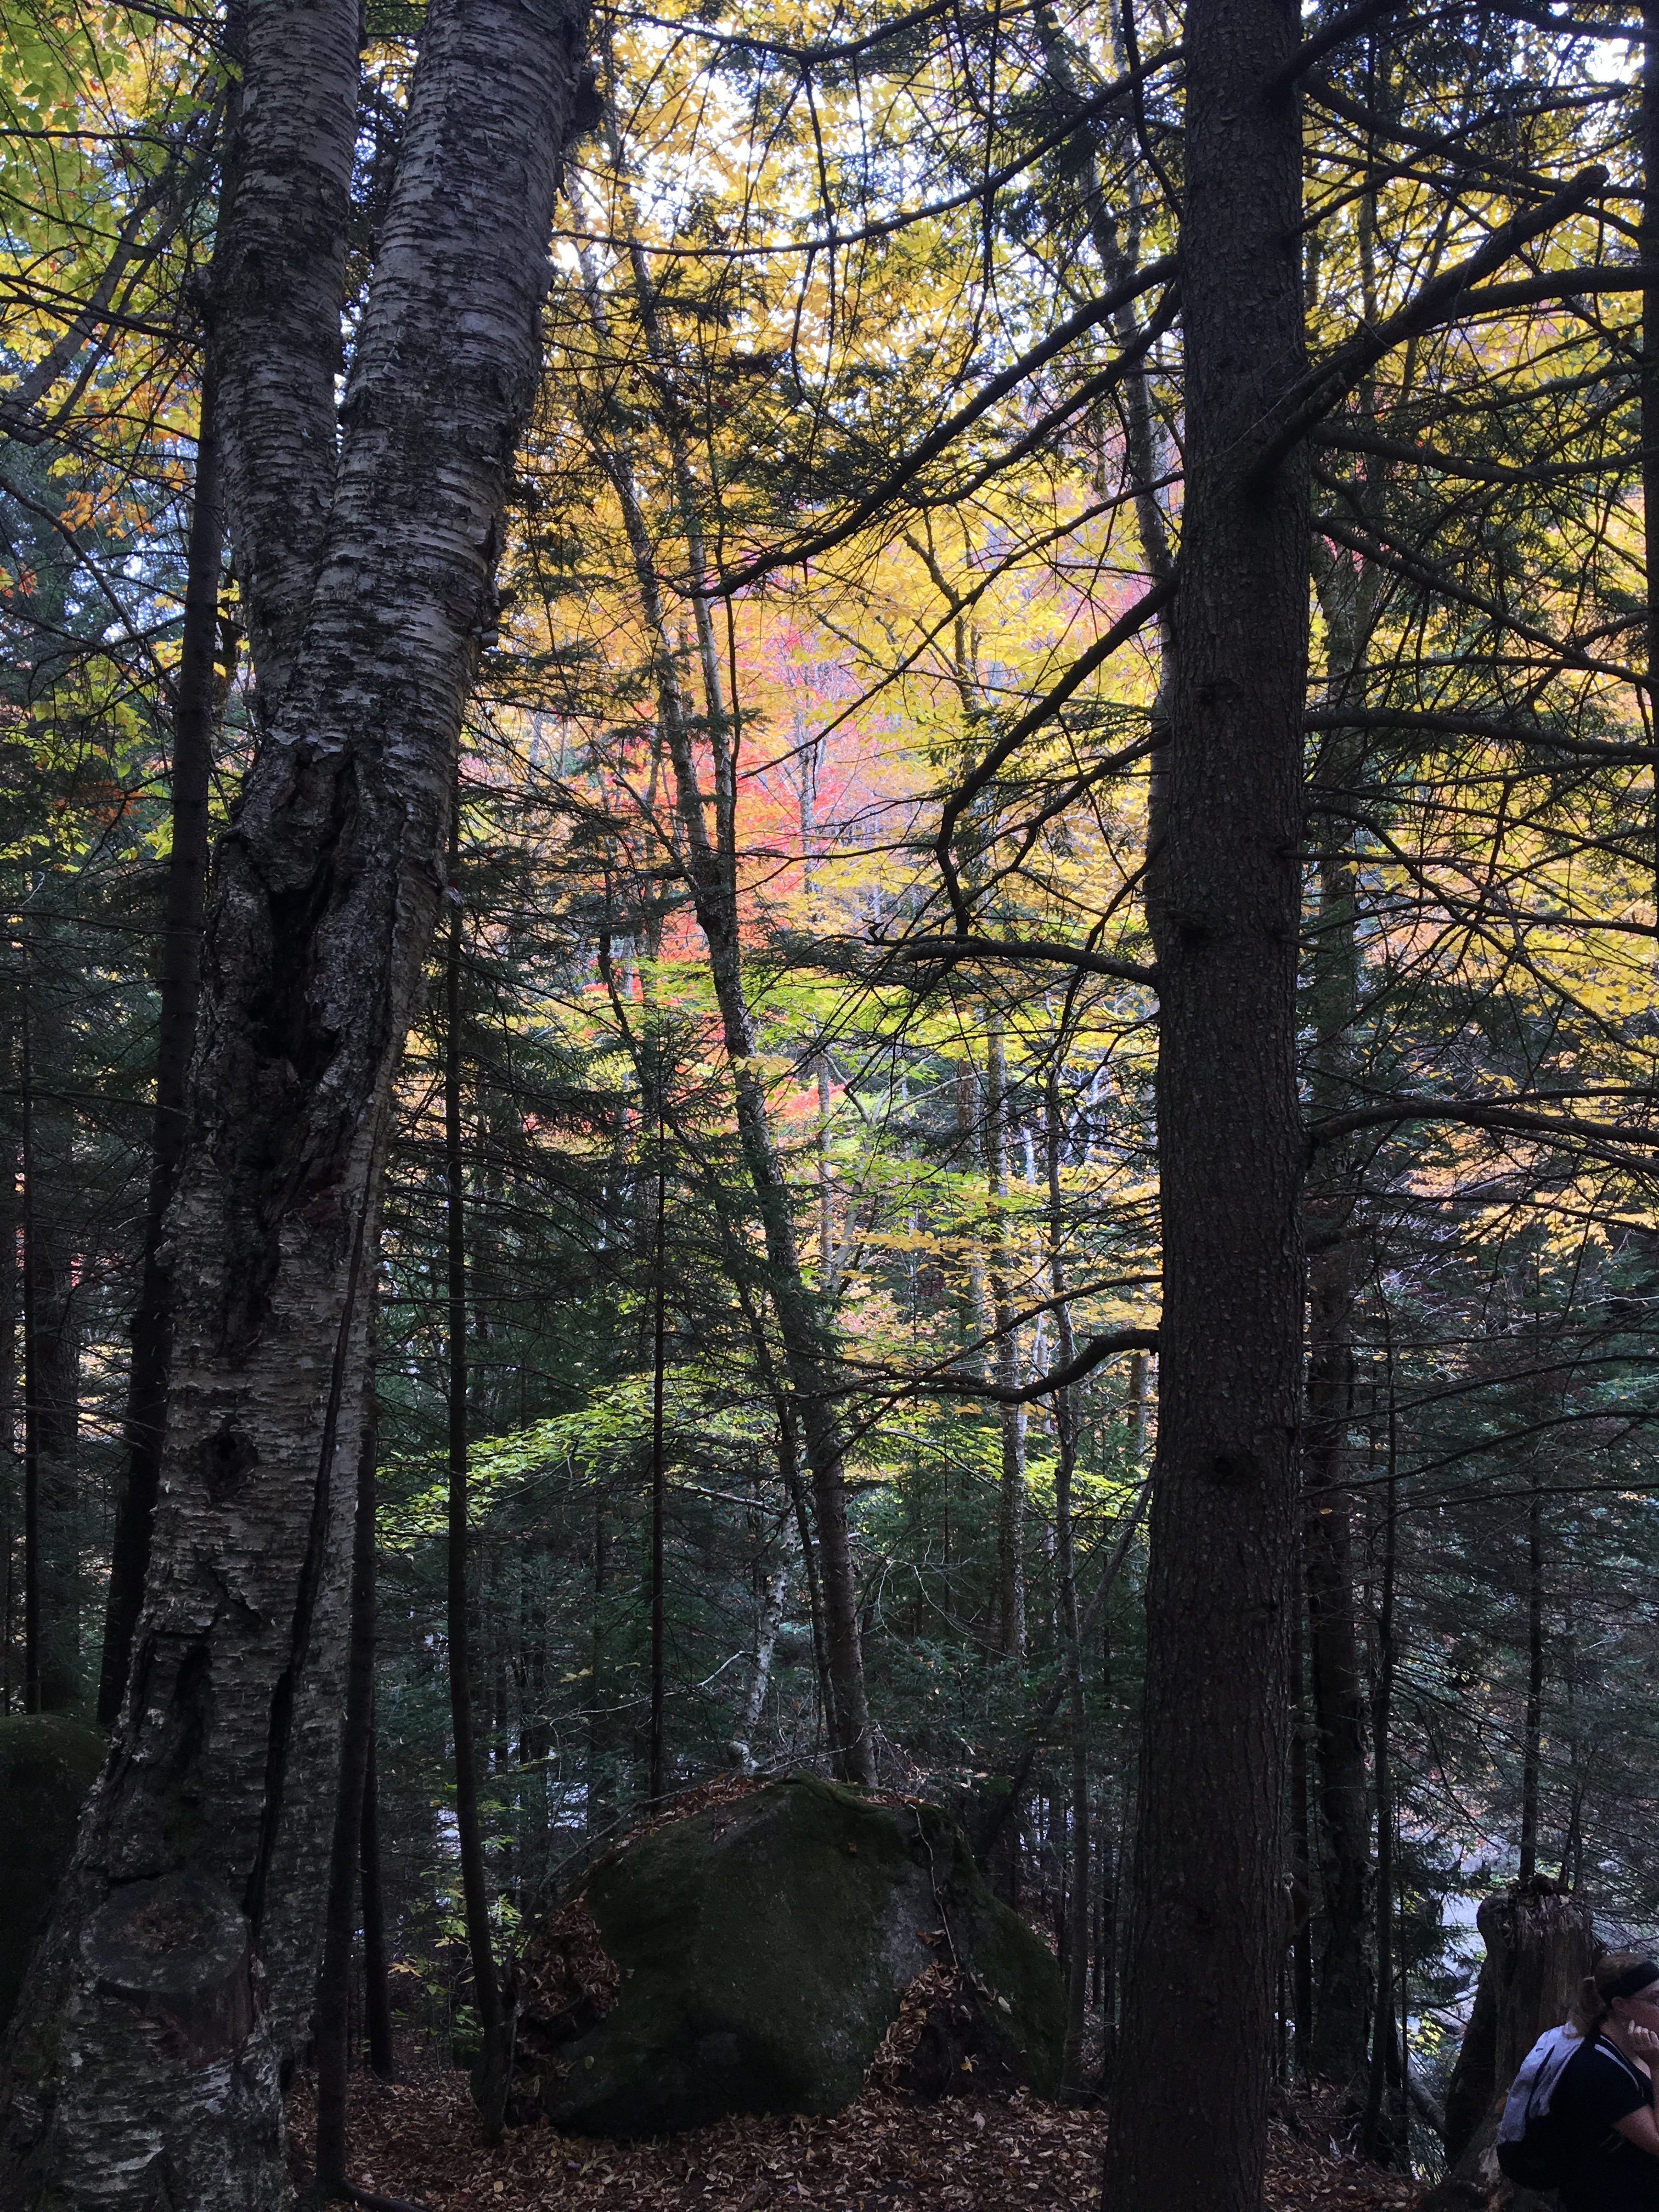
(1605, 2096)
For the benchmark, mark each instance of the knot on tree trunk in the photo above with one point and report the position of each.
(179, 1950)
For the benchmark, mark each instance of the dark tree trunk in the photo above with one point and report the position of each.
(598, 1802)
(1302, 2001)
(276, 295)
(656, 1762)
(32, 1640)
(1343, 2005)
(333, 2014)
(51, 1375)
(377, 1986)
(1076, 1946)
(1533, 1723)
(1384, 2130)
(193, 717)
(1650, 377)
(1343, 1998)
(490, 2075)
(180, 1961)
(1193, 2075)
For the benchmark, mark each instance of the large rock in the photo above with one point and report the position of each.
(751, 1958)
(47, 1765)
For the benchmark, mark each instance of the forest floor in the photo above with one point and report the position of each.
(417, 2139)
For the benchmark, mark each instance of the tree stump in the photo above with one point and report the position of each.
(1540, 1946)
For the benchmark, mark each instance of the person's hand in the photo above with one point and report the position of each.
(1644, 2042)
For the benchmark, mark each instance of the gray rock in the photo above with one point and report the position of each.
(757, 1952)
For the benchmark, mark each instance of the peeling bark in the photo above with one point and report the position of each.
(146, 2056)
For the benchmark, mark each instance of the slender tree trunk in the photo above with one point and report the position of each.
(1190, 2093)
(377, 1986)
(11, 1459)
(598, 1806)
(31, 1638)
(1302, 1993)
(1533, 1725)
(1338, 2041)
(1650, 375)
(52, 1373)
(333, 2014)
(1380, 2134)
(1011, 1495)
(1077, 1945)
(179, 1962)
(193, 717)
(1343, 1998)
(766, 1620)
(657, 1765)
(491, 2075)
(709, 868)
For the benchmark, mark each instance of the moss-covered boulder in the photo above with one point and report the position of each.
(752, 1956)
(47, 1765)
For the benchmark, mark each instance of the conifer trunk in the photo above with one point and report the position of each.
(1196, 2053)
(179, 1967)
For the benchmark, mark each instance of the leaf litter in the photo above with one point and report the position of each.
(974, 2147)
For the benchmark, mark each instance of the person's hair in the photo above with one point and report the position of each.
(1588, 2017)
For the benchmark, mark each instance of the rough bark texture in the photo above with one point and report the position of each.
(1189, 2109)
(145, 2062)
(280, 268)
(193, 718)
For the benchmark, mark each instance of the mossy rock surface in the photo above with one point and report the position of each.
(762, 1946)
(47, 1765)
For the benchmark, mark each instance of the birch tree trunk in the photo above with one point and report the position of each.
(179, 980)
(277, 295)
(147, 2055)
(1196, 2054)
